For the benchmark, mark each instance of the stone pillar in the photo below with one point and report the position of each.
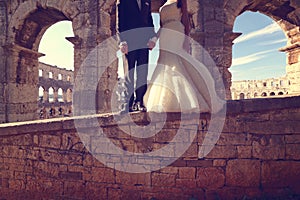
(55, 94)
(22, 80)
(3, 82)
(45, 95)
(293, 61)
(208, 18)
(98, 90)
(65, 90)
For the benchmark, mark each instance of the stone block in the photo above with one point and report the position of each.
(13, 152)
(280, 174)
(50, 141)
(210, 177)
(24, 140)
(269, 147)
(71, 158)
(113, 193)
(187, 172)
(228, 151)
(244, 151)
(292, 139)
(140, 179)
(73, 189)
(170, 170)
(96, 191)
(219, 162)
(293, 151)
(199, 163)
(103, 175)
(234, 139)
(69, 175)
(160, 179)
(243, 173)
(186, 183)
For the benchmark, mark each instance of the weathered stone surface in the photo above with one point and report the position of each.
(220, 174)
(257, 154)
(272, 147)
(228, 151)
(243, 173)
(160, 179)
(293, 151)
(187, 173)
(244, 151)
(210, 177)
(133, 179)
(279, 174)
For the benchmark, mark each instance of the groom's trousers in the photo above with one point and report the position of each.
(137, 60)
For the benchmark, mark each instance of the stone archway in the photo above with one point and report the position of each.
(287, 14)
(20, 38)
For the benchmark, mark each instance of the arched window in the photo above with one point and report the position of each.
(58, 51)
(272, 94)
(40, 73)
(50, 75)
(59, 77)
(242, 96)
(280, 93)
(264, 94)
(60, 95)
(41, 94)
(256, 54)
(281, 83)
(51, 95)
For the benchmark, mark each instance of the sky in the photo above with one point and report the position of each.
(255, 52)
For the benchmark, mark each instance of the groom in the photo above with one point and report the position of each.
(135, 43)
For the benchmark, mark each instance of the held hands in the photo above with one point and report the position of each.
(151, 44)
(124, 47)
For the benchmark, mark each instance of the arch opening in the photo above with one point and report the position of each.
(257, 59)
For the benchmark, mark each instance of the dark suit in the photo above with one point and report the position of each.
(130, 18)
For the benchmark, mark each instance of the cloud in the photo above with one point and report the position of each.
(272, 28)
(250, 58)
(273, 42)
(258, 73)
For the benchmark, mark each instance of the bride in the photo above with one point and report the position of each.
(176, 85)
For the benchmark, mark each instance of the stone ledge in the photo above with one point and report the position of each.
(233, 107)
(261, 105)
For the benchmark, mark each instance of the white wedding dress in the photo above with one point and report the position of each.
(176, 86)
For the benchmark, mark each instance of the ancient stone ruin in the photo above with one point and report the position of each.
(256, 155)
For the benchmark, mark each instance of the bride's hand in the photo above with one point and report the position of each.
(151, 44)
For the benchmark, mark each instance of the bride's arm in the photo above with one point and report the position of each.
(186, 22)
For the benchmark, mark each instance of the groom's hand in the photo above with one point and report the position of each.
(124, 47)
(152, 42)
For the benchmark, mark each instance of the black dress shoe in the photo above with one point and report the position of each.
(131, 109)
(140, 107)
(127, 110)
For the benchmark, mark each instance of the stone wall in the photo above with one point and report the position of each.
(257, 155)
(266, 88)
(23, 24)
(62, 80)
